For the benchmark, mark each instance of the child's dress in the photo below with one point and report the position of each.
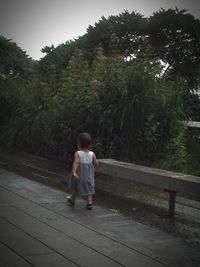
(85, 184)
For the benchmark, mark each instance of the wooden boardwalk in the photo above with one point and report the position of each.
(38, 228)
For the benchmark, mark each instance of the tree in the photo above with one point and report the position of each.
(175, 36)
(14, 61)
(126, 27)
(15, 66)
(56, 59)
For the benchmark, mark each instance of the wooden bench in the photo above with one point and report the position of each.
(172, 182)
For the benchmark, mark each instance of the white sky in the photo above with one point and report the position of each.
(33, 24)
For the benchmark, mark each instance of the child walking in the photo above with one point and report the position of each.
(84, 165)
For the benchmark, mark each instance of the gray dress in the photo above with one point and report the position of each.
(85, 185)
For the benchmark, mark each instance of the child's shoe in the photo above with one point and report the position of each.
(70, 201)
(89, 206)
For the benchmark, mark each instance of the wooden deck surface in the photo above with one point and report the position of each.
(38, 228)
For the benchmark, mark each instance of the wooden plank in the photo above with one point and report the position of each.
(8, 258)
(50, 260)
(10, 235)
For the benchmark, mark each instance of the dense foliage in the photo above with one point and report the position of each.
(113, 83)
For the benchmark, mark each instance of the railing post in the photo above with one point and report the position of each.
(172, 200)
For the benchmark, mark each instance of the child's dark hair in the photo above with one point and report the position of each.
(84, 140)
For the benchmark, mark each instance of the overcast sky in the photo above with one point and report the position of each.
(33, 24)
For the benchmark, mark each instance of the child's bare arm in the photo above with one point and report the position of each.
(95, 161)
(75, 165)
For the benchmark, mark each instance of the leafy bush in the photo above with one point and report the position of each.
(139, 111)
(129, 110)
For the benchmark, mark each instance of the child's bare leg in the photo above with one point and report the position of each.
(89, 199)
(73, 195)
(71, 199)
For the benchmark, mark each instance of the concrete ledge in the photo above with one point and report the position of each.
(169, 181)
(163, 179)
